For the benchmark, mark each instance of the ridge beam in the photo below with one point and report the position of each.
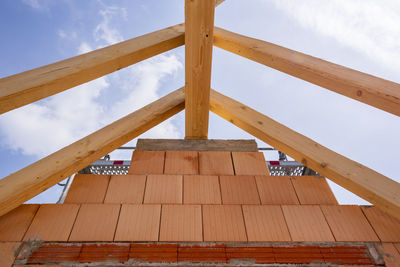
(30, 181)
(199, 27)
(371, 90)
(32, 85)
(362, 181)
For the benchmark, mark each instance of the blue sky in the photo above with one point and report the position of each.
(361, 34)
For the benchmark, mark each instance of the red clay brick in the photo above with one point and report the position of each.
(104, 252)
(259, 254)
(147, 162)
(88, 188)
(239, 190)
(249, 163)
(387, 227)
(181, 162)
(154, 252)
(56, 253)
(313, 190)
(53, 222)
(7, 253)
(14, 224)
(215, 163)
(199, 253)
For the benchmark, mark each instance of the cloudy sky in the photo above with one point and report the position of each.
(360, 34)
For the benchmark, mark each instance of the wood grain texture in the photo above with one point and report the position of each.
(265, 223)
(181, 162)
(14, 224)
(88, 188)
(181, 223)
(223, 223)
(201, 189)
(26, 183)
(138, 223)
(199, 26)
(362, 181)
(52, 222)
(249, 163)
(386, 227)
(371, 90)
(163, 189)
(29, 86)
(307, 223)
(348, 223)
(147, 162)
(215, 163)
(239, 189)
(313, 190)
(276, 190)
(95, 222)
(126, 189)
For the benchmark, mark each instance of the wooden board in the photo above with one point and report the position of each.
(362, 181)
(371, 90)
(199, 26)
(29, 86)
(26, 183)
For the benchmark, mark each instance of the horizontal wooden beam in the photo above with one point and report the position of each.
(28, 182)
(362, 181)
(29, 86)
(371, 90)
(199, 26)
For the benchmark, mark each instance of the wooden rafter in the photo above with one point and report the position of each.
(362, 181)
(374, 91)
(29, 86)
(199, 25)
(28, 182)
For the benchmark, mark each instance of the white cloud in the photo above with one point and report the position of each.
(32, 3)
(41, 128)
(104, 30)
(367, 26)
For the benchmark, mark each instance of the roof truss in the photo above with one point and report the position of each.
(30, 86)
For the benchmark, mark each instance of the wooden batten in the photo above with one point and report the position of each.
(30, 86)
(362, 181)
(199, 25)
(28, 182)
(371, 90)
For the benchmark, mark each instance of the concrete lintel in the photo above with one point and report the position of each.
(197, 144)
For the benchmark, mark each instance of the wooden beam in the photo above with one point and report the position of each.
(371, 90)
(199, 25)
(362, 181)
(218, 2)
(29, 86)
(28, 182)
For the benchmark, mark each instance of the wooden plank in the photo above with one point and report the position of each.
(21, 186)
(199, 26)
(32, 85)
(371, 90)
(362, 181)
